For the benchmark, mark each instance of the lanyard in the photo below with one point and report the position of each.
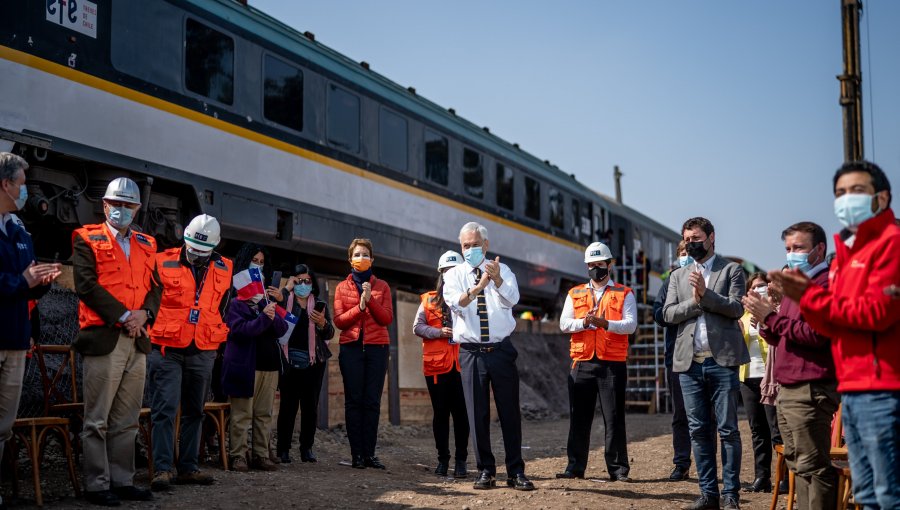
(200, 287)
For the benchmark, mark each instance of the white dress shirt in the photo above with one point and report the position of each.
(701, 340)
(123, 240)
(500, 301)
(569, 324)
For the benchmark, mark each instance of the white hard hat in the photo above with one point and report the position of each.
(203, 233)
(597, 252)
(123, 189)
(449, 259)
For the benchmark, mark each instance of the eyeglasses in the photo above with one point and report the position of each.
(307, 281)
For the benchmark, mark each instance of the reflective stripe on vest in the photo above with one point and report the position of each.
(173, 327)
(604, 345)
(126, 279)
(439, 356)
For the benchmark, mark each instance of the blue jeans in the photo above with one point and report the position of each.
(872, 429)
(709, 388)
(176, 378)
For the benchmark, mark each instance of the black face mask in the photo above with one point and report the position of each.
(598, 273)
(697, 250)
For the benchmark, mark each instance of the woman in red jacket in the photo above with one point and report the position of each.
(362, 311)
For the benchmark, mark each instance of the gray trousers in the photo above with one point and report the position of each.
(113, 389)
(12, 369)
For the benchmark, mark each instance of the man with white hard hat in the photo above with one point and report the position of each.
(195, 281)
(112, 268)
(440, 364)
(600, 315)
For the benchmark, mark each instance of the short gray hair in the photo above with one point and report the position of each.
(10, 164)
(474, 227)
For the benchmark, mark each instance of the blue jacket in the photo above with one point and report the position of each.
(670, 329)
(246, 327)
(16, 253)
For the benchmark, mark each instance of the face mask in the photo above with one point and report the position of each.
(598, 273)
(474, 256)
(799, 261)
(120, 217)
(685, 260)
(763, 291)
(195, 258)
(361, 264)
(853, 209)
(254, 265)
(697, 250)
(255, 299)
(302, 290)
(23, 197)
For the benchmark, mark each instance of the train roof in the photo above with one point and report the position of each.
(292, 40)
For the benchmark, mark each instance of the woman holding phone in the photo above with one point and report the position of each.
(307, 352)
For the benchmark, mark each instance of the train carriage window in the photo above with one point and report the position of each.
(557, 211)
(473, 173)
(392, 139)
(505, 187)
(532, 198)
(209, 62)
(437, 158)
(343, 119)
(283, 93)
(576, 217)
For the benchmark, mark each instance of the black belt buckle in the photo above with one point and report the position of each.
(480, 348)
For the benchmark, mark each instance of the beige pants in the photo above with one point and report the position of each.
(12, 369)
(257, 410)
(113, 390)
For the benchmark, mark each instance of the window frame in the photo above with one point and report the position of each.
(427, 129)
(512, 185)
(539, 202)
(558, 193)
(481, 158)
(303, 73)
(382, 109)
(330, 87)
(184, 57)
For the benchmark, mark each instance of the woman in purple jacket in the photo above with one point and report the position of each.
(250, 373)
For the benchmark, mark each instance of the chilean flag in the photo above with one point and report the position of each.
(248, 283)
(291, 320)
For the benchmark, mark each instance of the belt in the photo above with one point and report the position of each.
(700, 356)
(482, 347)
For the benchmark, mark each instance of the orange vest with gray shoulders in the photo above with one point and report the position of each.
(601, 343)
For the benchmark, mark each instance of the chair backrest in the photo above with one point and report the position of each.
(60, 387)
(837, 429)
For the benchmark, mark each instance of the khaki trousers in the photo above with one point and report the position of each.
(256, 411)
(805, 412)
(12, 370)
(113, 390)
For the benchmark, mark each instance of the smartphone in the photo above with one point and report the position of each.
(320, 305)
(276, 279)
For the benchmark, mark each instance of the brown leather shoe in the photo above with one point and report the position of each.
(263, 464)
(161, 481)
(194, 478)
(238, 463)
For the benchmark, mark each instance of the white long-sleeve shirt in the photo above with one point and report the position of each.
(500, 301)
(569, 324)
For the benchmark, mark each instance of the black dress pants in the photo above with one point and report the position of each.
(447, 399)
(587, 380)
(763, 426)
(300, 390)
(363, 368)
(483, 372)
(681, 436)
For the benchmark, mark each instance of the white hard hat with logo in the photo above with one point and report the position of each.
(203, 233)
(449, 259)
(123, 189)
(597, 252)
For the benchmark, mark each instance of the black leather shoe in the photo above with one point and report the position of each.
(460, 470)
(285, 458)
(308, 456)
(102, 498)
(132, 493)
(759, 485)
(485, 480)
(678, 474)
(731, 503)
(520, 483)
(784, 487)
(570, 474)
(620, 478)
(373, 462)
(358, 462)
(704, 503)
(441, 469)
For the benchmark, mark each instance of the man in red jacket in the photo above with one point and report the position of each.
(864, 325)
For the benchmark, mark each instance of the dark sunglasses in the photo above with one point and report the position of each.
(307, 281)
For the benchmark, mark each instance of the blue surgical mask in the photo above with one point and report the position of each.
(474, 256)
(254, 265)
(685, 260)
(799, 261)
(302, 290)
(120, 217)
(23, 197)
(853, 209)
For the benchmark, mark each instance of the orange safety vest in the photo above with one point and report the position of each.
(127, 279)
(439, 356)
(599, 342)
(173, 326)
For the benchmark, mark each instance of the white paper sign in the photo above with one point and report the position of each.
(78, 15)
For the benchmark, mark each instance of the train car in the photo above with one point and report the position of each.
(212, 106)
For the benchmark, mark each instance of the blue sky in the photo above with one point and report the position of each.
(722, 109)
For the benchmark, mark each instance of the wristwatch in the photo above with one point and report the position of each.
(149, 314)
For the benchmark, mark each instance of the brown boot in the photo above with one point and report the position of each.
(194, 478)
(238, 463)
(263, 464)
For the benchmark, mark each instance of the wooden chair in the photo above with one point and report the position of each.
(33, 433)
(215, 411)
(145, 429)
(61, 388)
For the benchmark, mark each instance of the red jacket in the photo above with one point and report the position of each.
(863, 322)
(375, 318)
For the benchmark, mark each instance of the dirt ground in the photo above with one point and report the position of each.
(409, 453)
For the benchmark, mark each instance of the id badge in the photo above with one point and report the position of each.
(194, 316)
